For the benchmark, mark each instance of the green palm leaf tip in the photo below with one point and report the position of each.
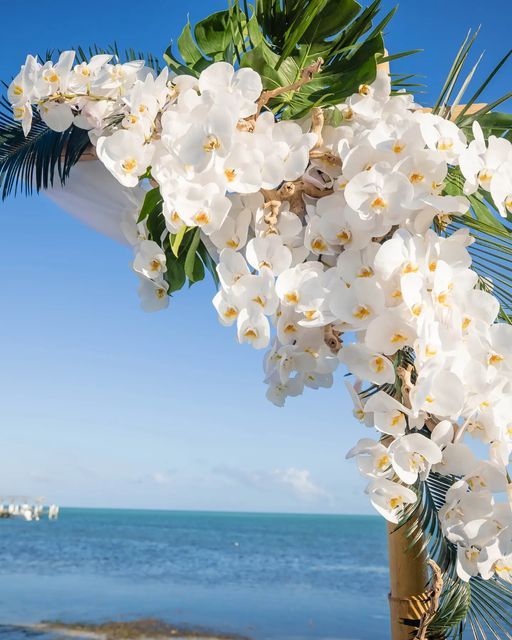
(479, 609)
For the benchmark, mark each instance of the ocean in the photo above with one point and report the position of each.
(263, 576)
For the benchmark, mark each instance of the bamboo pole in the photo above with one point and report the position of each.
(408, 575)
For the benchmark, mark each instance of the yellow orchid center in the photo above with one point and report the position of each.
(444, 144)
(155, 265)
(378, 364)
(495, 358)
(396, 502)
(361, 312)
(383, 462)
(319, 244)
(410, 267)
(416, 178)
(378, 204)
(484, 178)
(230, 174)
(344, 236)
(292, 297)
(212, 143)
(202, 218)
(129, 165)
(230, 312)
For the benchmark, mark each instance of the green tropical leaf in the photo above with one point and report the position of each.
(190, 259)
(177, 239)
(175, 274)
(215, 33)
(152, 200)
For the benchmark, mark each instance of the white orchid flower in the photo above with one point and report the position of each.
(372, 458)
(495, 559)
(232, 266)
(290, 282)
(388, 333)
(388, 415)
(253, 329)
(458, 458)
(287, 360)
(443, 136)
(479, 162)
(381, 197)
(369, 99)
(390, 498)
(501, 190)
(153, 294)
(125, 155)
(278, 392)
(85, 72)
(268, 253)
(150, 260)
(487, 476)
(53, 78)
(22, 89)
(438, 392)
(292, 147)
(220, 79)
(359, 304)
(242, 169)
(23, 113)
(256, 293)
(233, 232)
(209, 137)
(367, 364)
(228, 306)
(413, 455)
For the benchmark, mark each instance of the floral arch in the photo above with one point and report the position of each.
(345, 225)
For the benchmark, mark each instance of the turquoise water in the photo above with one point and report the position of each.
(270, 577)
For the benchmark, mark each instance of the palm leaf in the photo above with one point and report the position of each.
(483, 607)
(34, 162)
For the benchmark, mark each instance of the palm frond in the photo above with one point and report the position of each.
(34, 162)
(481, 607)
(460, 81)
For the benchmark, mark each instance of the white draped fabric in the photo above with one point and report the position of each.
(93, 196)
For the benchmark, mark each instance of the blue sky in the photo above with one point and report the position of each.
(104, 405)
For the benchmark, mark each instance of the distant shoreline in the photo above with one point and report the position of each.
(141, 629)
(220, 512)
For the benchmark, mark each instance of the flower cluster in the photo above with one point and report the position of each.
(323, 234)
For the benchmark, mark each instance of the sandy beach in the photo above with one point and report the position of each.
(142, 629)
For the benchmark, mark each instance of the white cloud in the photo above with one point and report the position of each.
(296, 481)
(300, 482)
(161, 477)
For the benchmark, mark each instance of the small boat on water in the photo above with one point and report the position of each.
(29, 509)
